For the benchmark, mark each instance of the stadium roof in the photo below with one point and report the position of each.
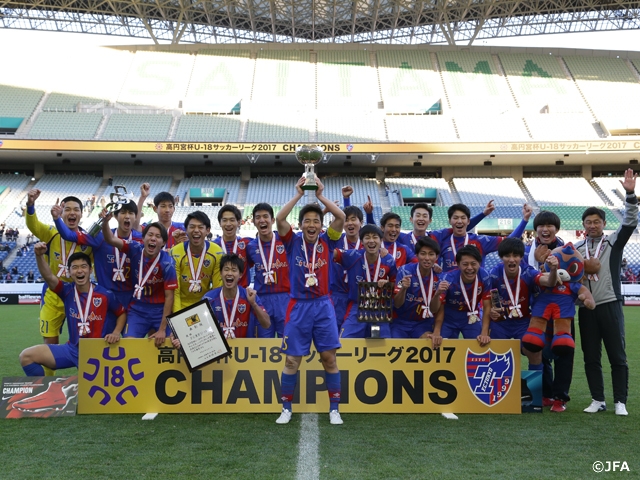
(339, 21)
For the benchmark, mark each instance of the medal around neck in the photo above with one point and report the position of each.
(309, 156)
(118, 198)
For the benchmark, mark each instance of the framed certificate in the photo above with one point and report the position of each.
(201, 338)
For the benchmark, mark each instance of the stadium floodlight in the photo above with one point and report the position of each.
(253, 158)
(374, 157)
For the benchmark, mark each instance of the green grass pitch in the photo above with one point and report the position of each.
(221, 446)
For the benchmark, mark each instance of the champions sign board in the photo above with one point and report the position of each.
(378, 376)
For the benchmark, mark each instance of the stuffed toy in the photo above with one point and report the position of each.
(557, 304)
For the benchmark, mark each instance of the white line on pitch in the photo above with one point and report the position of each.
(308, 453)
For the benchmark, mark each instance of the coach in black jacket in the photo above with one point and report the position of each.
(605, 324)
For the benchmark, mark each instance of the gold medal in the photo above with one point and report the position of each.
(514, 313)
(473, 318)
(311, 281)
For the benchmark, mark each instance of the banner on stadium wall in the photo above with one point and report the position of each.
(19, 299)
(378, 376)
(345, 148)
(498, 224)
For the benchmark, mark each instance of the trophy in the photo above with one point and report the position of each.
(375, 305)
(118, 198)
(309, 155)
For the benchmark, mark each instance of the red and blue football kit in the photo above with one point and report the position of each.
(456, 310)
(272, 285)
(401, 253)
(516, 320)
(340, 281)
(100, 319)
(147, 305)
(310, 314)
(111, 267)
(485, 244)
(556, 302)
(239, 247)
(239, 324)
(413, 319)
(354, 262)
(172, 228)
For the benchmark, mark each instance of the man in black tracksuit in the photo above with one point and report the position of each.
(605, 324)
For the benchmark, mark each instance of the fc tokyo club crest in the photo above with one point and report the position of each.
(280, 249)
(97, 302)
(207, 263)
(490, 375)
(242, 308)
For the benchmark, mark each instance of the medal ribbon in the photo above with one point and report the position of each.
(83, 326)
(118, 272)
(311, 276)
(229, 329)
(453, 246)
(141, 281)
(194, 281)
(515, 310)
(223, 244)
(346, 247)
(593, 276)
(414, 240)
(426, 313)
(471, 306)
(268, 273)
(368, 272)
(63, 269)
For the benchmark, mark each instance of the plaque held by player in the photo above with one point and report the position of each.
(375, 305)
(118, 198)
(496, 301)
(201, 338)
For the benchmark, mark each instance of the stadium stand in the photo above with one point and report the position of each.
(141, 127)
(277, 84)
(538, 82)
(361, 188)
(156, 79)
(346, 80)
(18, 103)
(395, 184)
(65, 126)
(421, 128)
(64, 102)
(273, 190)
(478, 191)
(408, 82)
(561, 126)
(56, 187)
(208, 128)
(16, 184)
(132, 182)
(231, 184)
(220, 80)
(562, 191)
(269, 126)
(475, 127)
(366, 128)
(473, 84)
(595, 75)
(612, 189)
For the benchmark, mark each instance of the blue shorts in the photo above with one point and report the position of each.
(276, 306)
(308, 320)
(124, 297)
(340, 302)
(352, 328)
(454, 329)
(508, 329)
(66, 355)
(139, 323)
(409, 329)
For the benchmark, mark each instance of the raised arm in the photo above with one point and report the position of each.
(40, 249)
(526, 215)
(145, 189)
(109, 237)
(488, 210)
(550, 279)
(338, 215)
(281, 218)
(261, 315)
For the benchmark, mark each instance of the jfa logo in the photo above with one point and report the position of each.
(490, 375)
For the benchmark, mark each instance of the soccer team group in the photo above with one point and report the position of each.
(306, 284)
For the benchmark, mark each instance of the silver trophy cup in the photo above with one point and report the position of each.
(309, 155)
(118, 198)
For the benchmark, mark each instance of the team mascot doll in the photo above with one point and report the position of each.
(557, 304)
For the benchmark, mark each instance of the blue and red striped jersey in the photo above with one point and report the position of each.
(279, 266)
(163, 276)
